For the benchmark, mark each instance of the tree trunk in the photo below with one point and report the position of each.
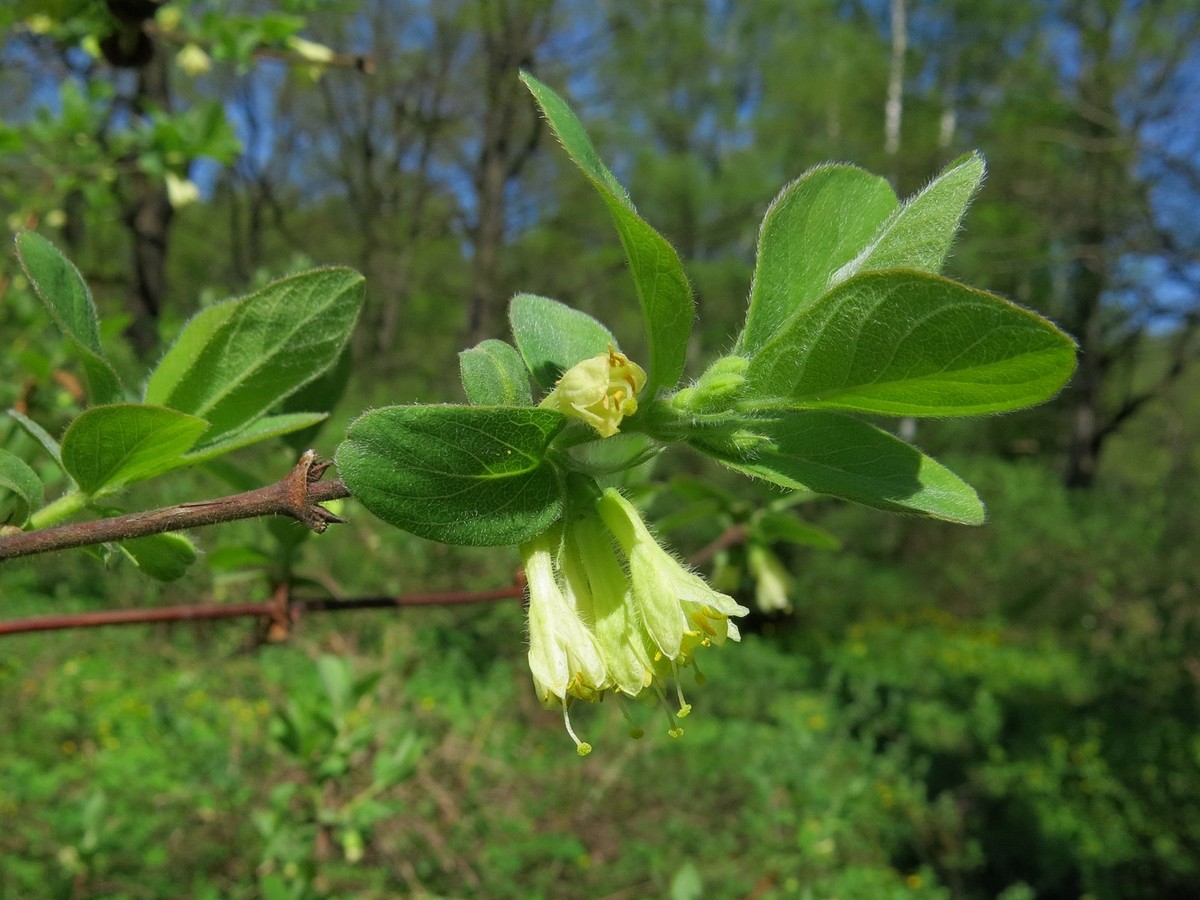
(146, 211)
(512, 30)
(1086, 437)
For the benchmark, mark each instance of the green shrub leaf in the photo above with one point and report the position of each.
(234, 361)
(66, 297)
(39, 434)
(552, 336)
(458, 474)
(662, 286)
(259, 430)
(920, 233)
(834, 454)
(493, 374)
(110, 446)
(912, 344)
(164, 557)
(19, 480)
(774, 526)
(815, 226)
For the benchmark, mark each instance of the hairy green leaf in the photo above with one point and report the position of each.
(834, 454)
(320, 395)
(18, 479)
(164, 557)
(493, 374)
(258, 430)
(66, 297)
(662, 286)
(912, 344)
(235, 361)
(39, 434)
(110, 446)
(180, 359)
(920, 233)
(815, 226)
(552, 336)
(472, 475)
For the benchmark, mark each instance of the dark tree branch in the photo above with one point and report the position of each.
(271, 610)
(298, 494)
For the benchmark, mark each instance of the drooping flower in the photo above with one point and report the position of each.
(772, 583)
(590, 565)
(680, 611)
(611, 610)
(601, 391)
(564, 657)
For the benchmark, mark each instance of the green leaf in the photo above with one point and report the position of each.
(39, 434)
(919, 234)
(164, 557)
(237, 557)
(815, 226)
(662, 286)
(110, 446)
(180, 358)
(336, 678)
(17, 478)
(912, 344)
(494, 375)
(838, 455)
(260, 430)
(320, 395)
(773, 526)
(552, 336)
(235, 361)
(471, 475)
(66, 297)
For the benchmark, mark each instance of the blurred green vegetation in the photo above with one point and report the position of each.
(1009, 711)
(1004, 711)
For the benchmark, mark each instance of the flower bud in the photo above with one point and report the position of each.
(772, 583)
(719, 385)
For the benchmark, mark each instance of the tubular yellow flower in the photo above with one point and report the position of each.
(601, 391)
(590, 564)
(563, 655)
(680, 611)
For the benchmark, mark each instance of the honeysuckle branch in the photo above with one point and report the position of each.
(298, 494)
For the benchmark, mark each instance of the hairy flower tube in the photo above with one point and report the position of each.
(563, 654)
(601, 391)
(677, 607)
(590, 567)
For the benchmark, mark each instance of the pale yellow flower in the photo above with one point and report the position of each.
(601, 391)
(772, 583)
(564, 657)
(680, 611)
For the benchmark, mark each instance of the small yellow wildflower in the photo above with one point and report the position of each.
(601, 391)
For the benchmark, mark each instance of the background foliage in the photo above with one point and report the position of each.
(1002, 711)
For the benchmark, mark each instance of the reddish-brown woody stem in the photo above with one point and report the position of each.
(298, 494)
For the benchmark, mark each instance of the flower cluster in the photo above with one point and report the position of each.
(611, 610)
